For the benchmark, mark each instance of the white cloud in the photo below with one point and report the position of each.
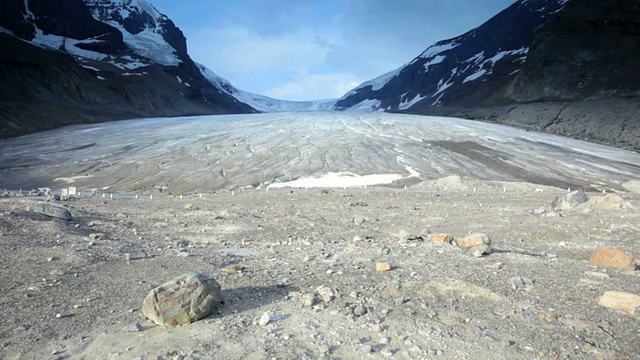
(316, 86)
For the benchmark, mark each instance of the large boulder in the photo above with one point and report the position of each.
(52, 211)
(612, 257)
(570, 200)
(182, 300)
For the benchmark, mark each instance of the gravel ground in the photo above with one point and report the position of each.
(307, 258)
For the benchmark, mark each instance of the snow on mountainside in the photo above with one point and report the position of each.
(261, 102)
(141, 25)
(81, 61)
(454, 72)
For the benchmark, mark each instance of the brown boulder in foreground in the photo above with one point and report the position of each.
(620, 300)
(612, 257)
(182, 300)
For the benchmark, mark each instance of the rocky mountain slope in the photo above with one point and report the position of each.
(567, 67)
(74, 61)
(453, 71)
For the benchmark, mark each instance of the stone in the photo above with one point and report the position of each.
(135, 327)
(569, 200)
(232, 268)
(308, 300)
(383, 266)
(609, 202)
(404, 235)
(612, 257)
(632, 186)
(474, 239)
(425, 233)
(182, 300)
(264, 319)
(191, 206)
(620, 300)
(480, 250)
(52, 211)
(445, 238)
(520, 283)
(326, 293)
(359, 310)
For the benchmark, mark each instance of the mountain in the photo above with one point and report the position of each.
(72, 61)
(567, 67)
(454, 71)
(265, 103)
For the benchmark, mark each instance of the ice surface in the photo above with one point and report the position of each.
(334, 148)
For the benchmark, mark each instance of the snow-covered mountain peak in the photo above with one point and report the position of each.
(261, 102)
(143, 27)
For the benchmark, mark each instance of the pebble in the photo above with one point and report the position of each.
(442, 238)
(359, 310)
(383, 266)
(326, 294)
(366, 348)
(480, 250)
(135, 327)
(308, 300)
(520, 283)
(474, 239)
(265, 319)
(385, 340)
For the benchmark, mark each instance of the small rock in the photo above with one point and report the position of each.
(357, 239)
(184, 299)
(135, 327)
(620, 300)
(425, 233)
(404, 235)
(612, 257)
(264, 319)
(385, 340)
(308, 300)
(474, 239)
(366, 348)
(191, 206)
(96, 236)
(445, 238)
(232, 268)
(383, 266)
(520, 283)
(359, 310)
(569, 200)
(326, 293)
(359, 220)
(596, 274)
(480, 250)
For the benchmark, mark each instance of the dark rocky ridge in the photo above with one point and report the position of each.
(497, 48)
(581, 76)
(44, 88)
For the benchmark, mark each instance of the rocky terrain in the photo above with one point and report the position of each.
(342, 270)
(339, 273)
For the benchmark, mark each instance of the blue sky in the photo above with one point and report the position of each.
(316, 49)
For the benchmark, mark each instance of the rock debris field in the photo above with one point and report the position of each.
(439, 263)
